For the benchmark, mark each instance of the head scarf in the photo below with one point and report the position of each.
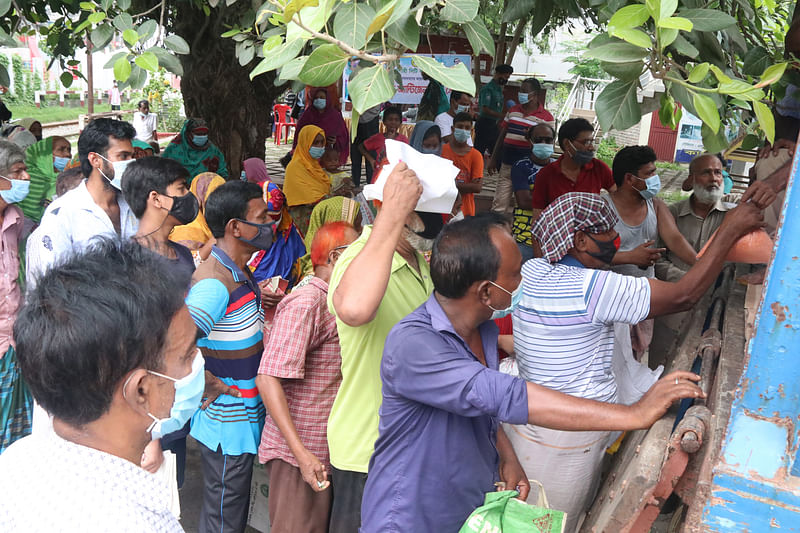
(197, 233)
(333, 209)
(206, 159)
(418, 135)
(141, 144)
(27, 122)
(21, 137)
(255, 170)
(273, 197)
(575, 211)
(306, 182)
(39, 160)
(329, 119)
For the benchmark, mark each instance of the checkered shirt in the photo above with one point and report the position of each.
(303, 350)
(576, 211)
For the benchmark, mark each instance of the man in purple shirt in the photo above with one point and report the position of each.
(440, 447)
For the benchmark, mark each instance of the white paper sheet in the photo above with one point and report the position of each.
(437, 175)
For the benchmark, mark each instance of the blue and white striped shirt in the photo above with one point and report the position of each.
(564, 326)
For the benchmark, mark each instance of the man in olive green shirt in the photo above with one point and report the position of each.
(492, 103)
(377, 281)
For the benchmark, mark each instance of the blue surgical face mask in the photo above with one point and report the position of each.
(200, 140)
(60, 163)
(316, 151)
(119, 170)
(653, 186)
(188, 395)
(434, 151)
(320, 103)
(18, 191)
(516, 297)
(542, 150)
(462, 109)
(461, 135)
(523, 98)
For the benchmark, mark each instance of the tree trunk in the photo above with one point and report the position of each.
(512, 49)
(216, 88)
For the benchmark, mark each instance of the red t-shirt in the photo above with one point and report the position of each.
(552, 183)
(377, 144)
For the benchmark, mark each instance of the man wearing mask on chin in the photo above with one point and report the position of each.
(225, 302)
(564, 328)
(576, 170)
(379, 279)
(94, 208)
(107, 346)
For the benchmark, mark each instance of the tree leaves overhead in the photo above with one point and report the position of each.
(405, 31)
(519, 8)
(324, 66)
(708, 19)
(617, 53)
(460, 10)
(177, 44)
(617, 106)
(102, 35)
(457, 77)
(370, 87)
(707, 111)
(479, 37)
(351, 22)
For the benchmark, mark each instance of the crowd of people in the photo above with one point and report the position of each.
(352, 347)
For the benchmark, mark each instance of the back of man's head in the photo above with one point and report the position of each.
(629, 160)
(149, 174)
(96, 136)
(464, 253)
(227, 202)
(90, 321)
(68, 180)
(10, 155)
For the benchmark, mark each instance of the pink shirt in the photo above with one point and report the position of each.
(10, 295)
(303, 350)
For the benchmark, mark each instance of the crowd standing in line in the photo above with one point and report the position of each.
(148, 298)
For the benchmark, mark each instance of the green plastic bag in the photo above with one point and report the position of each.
(502, 512)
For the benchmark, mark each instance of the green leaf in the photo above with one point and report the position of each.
(167, 60)
(124, 5)
(97, 16)
(633, 36)
(699, 73)
(669, 114)
(707, 111)
(741, 89)
(123, 22)
(324, 66)
(177, 44)
(137, 78)
(617, 106)
(750, 142)
(130, 37)
(146, 29)
(616, 53)
(353, 125)
(66, 78)
(314, 17)
(623, 71)
(351, 22)
(231, 33)
(283, 55)
(122, 69)
(296, 5)
(629, 17)
(721, 76)
(457, 77)
(765, 120)
(76, 30)
(772, 74)
(684, 47)
(381, 18)
(402, 8)
(88, 6)
(370, 87)
(666, 36)
(479, 37)
(113, 59)
(102, 35)
(541, 17)
(460, 10)
(714, 142)
(147, 61)
(518, 9)
(661, 9)
(677, 23)
(5, 5)
(246, 55)
(291, 70)
(406, 31)
(708, 19)
(755, 61)
(105, 5)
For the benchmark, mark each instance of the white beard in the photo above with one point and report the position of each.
(420, 244)
(707, 196)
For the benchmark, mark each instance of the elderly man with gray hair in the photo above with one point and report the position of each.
(15, 400)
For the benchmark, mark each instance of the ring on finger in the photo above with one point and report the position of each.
(676, 381)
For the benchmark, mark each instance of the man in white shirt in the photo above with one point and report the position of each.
(459, 103)
(94, 208)
(102, 344)
(145, 124)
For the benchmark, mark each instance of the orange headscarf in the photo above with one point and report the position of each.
(306, 182)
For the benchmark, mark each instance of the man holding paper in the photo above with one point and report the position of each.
(379, 279)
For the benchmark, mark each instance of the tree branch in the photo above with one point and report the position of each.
(143, 13)
(382, 58)
(509, 56)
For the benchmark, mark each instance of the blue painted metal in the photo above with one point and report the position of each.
(755, 487)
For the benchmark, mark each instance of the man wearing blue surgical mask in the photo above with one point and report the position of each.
(459, 103)
(643, 218)
(95, 207)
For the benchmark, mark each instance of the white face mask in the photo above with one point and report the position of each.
(119, 169)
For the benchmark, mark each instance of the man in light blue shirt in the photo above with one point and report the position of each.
(95, 207)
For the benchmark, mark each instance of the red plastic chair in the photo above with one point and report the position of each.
(283, 121)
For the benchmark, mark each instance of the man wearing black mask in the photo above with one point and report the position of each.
(225, 303)
(492, 105)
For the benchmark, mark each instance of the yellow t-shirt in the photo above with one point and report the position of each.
(353, 422)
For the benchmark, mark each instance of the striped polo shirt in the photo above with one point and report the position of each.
(564, 325)
(517, 123)
(225, 303)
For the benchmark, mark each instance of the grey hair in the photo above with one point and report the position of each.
(10, 154)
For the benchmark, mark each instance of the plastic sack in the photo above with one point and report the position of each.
(753, 248)
(502, 512)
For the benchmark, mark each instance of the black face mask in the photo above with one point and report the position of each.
(608, 249)
(433, 224)
(502, 81)
(265, 236)
(184, 208)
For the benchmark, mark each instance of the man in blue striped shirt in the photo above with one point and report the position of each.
(564, 328)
